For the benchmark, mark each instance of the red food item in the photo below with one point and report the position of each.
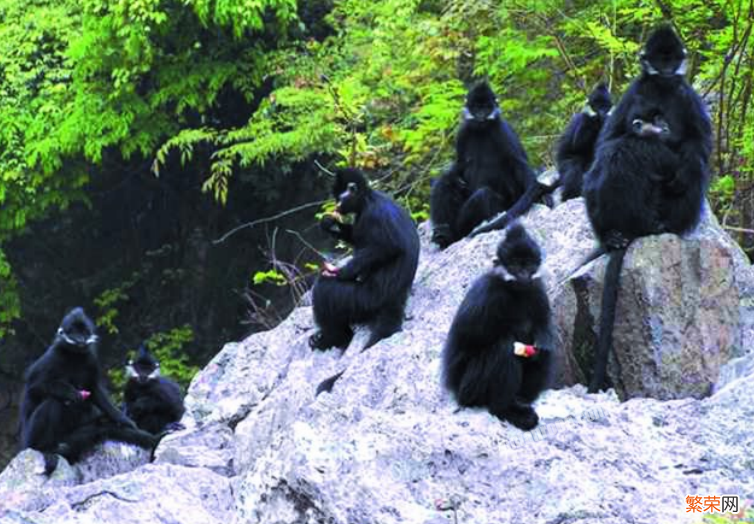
(524, 350)
(85, 394)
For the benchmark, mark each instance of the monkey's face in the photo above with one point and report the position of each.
(518, 259)
(481, 113)
(657, 128)
(599, 101)
(521, 270)
(647, 121)
(142, 371)
(481, 106)
(666, 66)
(76, 331)
(350, 192)
(664, 54)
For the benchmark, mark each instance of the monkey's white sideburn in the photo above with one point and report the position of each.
(501, 272)
(68, 340)
(650, 70)
(131, 372)
(468, 115)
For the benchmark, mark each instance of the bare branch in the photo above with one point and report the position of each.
(268, 219)
(323, 168)
(739, 229)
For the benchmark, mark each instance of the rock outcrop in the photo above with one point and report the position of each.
(389, 446)
(678, 319)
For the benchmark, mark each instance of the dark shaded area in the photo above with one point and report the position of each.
(153, 238)
(66, 409)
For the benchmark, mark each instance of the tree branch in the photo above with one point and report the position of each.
(268, 219)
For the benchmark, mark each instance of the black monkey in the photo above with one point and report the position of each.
(498, 353)
(575, 151)
(491, 173)
(153, 402)
(65, 409)
(373, 287)
(651, 169)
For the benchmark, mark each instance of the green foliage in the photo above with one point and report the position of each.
(272, 276)
(723, 190)
(8, 298)
(151, 79)
(384, 92)
(168, 349)
(107, 303)
(82, 78)
(747, 515)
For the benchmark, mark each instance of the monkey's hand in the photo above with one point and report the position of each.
(70, 395)
(442, 235)
(460, 183)
(329, 270)
(332, 224)
(126, 422)
(615, 240)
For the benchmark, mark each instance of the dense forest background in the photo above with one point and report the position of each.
(162, 162)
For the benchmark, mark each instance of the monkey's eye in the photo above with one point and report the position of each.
(637, 124)
(352, 187)
(495, 261)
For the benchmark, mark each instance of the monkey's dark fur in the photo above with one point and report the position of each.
(651, 169)
(372, 288)
(575, 151)
(65, 409)
(491, 173)
(153, 402)
(508, 304)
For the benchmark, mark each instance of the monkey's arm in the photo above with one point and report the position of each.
(446, 198)
(544, 337)
(171, 398)
(366, 260)
(533, 191)
(56, 389)
(337, 229)
(693, 152)
(580, 135)
(102, 401)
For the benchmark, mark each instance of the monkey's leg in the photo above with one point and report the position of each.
(536, 375)
(81, 440)
(132, 436)
(45, 430)
(446, 199)
(332, 302)
(387, 322)
(521, 415)
(483, 204)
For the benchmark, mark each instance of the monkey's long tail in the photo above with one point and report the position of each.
(595, 253)
(520, 208)
(607, 318)
(328, 383)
